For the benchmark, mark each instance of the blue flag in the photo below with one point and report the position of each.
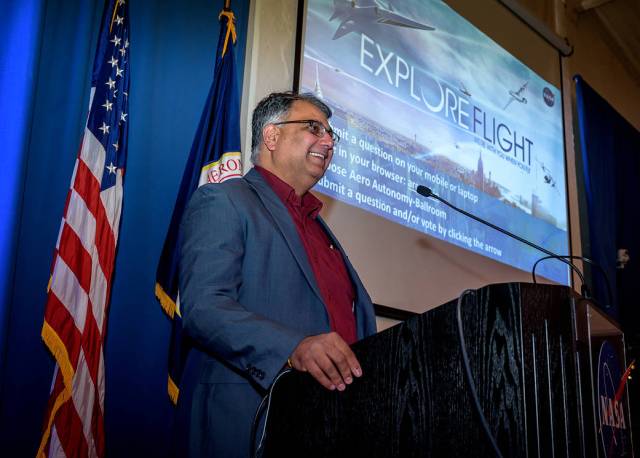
(214, 158)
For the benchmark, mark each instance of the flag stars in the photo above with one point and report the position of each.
(107, 105)
(115, 93)
(104, 128)
(123, 118)
(116, 40)
(119, 71)
(113, 61)
(111, 168)
(126, 43)
(123, 51)
(119, 20)
(111, 83)
(115, 146)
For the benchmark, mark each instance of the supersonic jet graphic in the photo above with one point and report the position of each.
(357, 14)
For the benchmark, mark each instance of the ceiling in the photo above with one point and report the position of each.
(620, 21)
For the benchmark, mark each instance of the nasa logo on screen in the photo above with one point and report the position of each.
(548, 96)
(612, 419)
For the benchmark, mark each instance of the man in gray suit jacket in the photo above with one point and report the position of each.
(264, 284)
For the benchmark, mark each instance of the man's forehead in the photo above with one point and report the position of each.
(309, 110)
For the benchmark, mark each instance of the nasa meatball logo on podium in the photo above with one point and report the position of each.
(611, 406)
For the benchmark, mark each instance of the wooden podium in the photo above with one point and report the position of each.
(531, 350)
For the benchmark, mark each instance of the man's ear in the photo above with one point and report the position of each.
(270, 134)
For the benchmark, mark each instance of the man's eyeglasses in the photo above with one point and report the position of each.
(315, 127)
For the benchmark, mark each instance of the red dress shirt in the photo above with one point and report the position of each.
(325, 259)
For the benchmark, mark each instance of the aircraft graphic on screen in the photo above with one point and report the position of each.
(547, 177)
(463, 89)
(517, 95)
(356, 15)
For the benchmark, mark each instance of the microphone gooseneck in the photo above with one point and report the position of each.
(427, 192)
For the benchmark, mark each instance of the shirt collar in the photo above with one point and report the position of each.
(308, 204)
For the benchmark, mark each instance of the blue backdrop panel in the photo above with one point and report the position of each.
(59, 105)
(611, 158)
(172, 59)
(20, 36)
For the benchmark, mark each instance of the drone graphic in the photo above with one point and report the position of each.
(547, 177)
(463, 89)
(517, 95)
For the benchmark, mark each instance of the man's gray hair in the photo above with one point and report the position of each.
(274, 108)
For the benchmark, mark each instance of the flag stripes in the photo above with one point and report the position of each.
(80, 284)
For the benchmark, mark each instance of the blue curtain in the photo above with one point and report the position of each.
(172, 53)
(20, 36)
(611, 166)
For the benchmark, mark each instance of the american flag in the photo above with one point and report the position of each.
(75, 320)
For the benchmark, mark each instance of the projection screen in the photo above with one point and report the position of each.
(421, 95)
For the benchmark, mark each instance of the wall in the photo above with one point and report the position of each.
(593, 58)
(270, 55)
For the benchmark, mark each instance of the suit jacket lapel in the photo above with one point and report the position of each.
(284, 222)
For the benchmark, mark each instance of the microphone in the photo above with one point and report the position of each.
(427, 192)
(424, 191)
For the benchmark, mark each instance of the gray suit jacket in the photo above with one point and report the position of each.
(248, 296)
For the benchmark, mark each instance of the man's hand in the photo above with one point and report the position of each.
(328, 358)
